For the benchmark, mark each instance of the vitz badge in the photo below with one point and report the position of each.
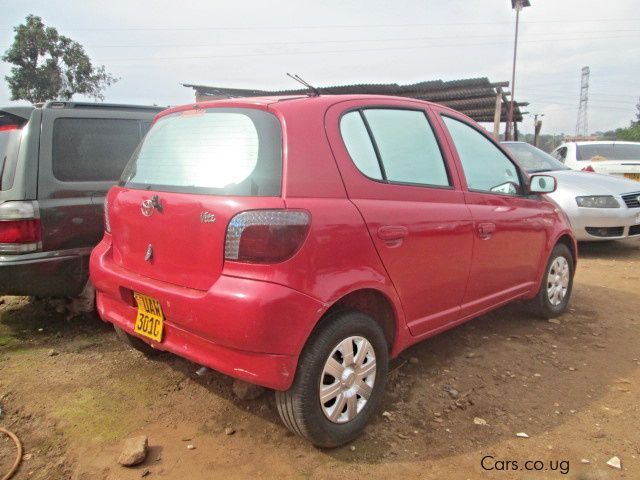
(207, 217)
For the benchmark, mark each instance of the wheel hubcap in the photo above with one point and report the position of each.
(558, 281)
(347, 379)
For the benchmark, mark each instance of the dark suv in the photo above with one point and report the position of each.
(56, 164)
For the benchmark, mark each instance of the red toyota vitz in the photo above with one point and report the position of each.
(300, 242)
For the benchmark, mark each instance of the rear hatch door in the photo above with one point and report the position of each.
(193, 172)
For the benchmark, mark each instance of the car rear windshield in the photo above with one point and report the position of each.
(609, 151)
(219, 151)
(9, 145)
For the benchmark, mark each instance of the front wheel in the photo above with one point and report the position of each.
(557, 283)
(340, 380)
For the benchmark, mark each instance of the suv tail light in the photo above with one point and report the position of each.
(19, 227)
(265, 236)
(588, 168)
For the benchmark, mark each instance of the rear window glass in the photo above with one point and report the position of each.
(9, 146)
(93, 149)
(609, 151)
(230, 151)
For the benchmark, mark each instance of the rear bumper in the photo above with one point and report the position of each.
(46, 274)
(248, 329)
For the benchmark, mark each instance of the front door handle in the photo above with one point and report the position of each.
(486, 230)
(392, 234)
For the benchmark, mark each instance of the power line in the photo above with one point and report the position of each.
(307, 27)
(589, 35)
(320, 52)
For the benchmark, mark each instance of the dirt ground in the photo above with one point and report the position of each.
(73, 394)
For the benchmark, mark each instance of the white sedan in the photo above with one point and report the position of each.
(599, 207)
(620, 159)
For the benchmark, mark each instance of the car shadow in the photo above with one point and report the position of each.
(612, 249)
(507, 367)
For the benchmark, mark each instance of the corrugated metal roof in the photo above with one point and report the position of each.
(475, 97)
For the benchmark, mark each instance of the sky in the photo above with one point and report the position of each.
(154, 46)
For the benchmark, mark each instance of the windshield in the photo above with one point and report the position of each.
(533, 159)
(9, 144)
(609, 151)
(220, 151)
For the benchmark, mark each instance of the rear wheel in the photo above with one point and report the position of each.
(339, 382)
(136, 343)
(556, 286)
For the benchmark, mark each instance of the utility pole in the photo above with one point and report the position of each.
(582, 124)
(497, 114)
(517, 5)
(537, 126)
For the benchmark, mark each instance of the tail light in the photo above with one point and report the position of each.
(6, 128)
(265, 236)
(588, 168)
(107, 225)
(19, 227)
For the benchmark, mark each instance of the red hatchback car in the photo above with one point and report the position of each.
(300, 242)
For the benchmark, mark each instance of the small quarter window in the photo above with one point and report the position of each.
(358, 143)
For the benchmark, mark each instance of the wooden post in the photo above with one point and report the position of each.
(497, 114)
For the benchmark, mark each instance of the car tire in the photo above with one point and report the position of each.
(301, 408)
(136, 343)
(556, 284)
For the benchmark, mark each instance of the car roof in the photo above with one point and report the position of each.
(604, 142)
(275, 102)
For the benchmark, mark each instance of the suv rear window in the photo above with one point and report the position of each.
(93, 149)
(220, 151)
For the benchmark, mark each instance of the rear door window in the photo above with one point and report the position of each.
(560, 154)
(231, 151)
(394, 145)
(93, 149)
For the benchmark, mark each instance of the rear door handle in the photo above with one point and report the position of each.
(485, 230)
(393, 234)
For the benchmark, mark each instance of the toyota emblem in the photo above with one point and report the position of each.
(147, 208)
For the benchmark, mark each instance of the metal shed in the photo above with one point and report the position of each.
(478, 98)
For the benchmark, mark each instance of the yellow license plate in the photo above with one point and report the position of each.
(633, 176)
(150, 319)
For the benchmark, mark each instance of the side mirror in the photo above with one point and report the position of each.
(542, 184)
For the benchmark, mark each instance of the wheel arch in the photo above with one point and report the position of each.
(372, 302)
(569, 241)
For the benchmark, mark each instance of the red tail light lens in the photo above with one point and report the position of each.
(588, 168)
(20, 231)
(6, 128)
(265, 236)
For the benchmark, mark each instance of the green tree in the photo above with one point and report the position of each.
(632, 133)
(50, 66)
